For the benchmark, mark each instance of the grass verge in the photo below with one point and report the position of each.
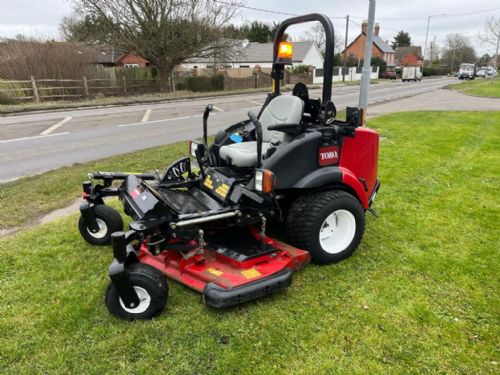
(419, 296)
(485, 87)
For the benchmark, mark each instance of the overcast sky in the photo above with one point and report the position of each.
(41, 17)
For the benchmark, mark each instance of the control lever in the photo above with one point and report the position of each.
(258, 135)
(209, 108)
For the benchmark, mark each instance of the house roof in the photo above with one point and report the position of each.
(384, 47)
(254, 52)
(403, 51)
(378, 41)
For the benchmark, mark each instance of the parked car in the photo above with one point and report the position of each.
(491, 72)
(481, 73)
(466, 71)
(389, 74)
(411, 73)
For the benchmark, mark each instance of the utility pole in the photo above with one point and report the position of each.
(345, 47)
(496, 53)
(365, 78)
(433, 46)
(427, 32)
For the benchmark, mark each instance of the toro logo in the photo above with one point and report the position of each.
(328, 155)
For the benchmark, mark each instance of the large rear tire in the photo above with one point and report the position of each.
(329, 224)
(109, 221)
(150, 285)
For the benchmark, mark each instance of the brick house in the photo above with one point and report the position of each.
(106, 56)
(379, 48)
(409, 56)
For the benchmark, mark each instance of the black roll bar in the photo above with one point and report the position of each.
(327, 64)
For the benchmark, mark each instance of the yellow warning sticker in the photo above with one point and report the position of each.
(208, 182)
(222, 190)
(252, 273)
(215, 272)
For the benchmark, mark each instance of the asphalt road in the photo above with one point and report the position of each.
(38, 142)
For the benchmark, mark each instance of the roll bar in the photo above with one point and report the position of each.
(330, 42)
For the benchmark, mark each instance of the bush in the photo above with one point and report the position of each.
(299, 69)
(205, 83)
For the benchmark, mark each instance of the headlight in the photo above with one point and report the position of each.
(193, 146)
(264, 181)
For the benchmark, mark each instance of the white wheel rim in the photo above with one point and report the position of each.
(144, 301)
(337, 231)
(103, 229)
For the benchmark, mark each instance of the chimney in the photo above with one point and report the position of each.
(364, 26)
(377, 29)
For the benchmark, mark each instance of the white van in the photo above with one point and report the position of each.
(411, 73)
(467, 71)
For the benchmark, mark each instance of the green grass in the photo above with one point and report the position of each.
(420, 295)
(486, 87)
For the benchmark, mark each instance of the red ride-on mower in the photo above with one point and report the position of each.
(205, 227)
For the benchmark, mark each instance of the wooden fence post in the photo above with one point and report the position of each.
(35, 90)
(85, 87)
(124, 85)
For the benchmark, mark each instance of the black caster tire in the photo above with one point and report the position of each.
(109, 221)
(329, 224)
(150, 285)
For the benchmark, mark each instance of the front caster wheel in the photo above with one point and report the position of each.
(109, 221)
(328, 224)
(151, 287)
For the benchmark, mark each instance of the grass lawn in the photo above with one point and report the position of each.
(486, 87)
(420, 295)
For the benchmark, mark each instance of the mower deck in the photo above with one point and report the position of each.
(229, 275)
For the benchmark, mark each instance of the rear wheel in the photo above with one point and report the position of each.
(328, 224)
(109, 221)
(151, 288)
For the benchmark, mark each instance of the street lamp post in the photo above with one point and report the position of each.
(427, 32)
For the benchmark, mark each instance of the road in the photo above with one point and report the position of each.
(38, 142)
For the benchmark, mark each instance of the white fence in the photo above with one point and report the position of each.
(351, 74)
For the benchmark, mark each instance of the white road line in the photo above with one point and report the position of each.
(146, 115)
(34, 137)
(253, 101)
(154, 121)
(56, 126)
(217, 108)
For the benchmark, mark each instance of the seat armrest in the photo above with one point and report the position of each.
(291, 129)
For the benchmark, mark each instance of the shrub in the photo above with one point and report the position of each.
(299, 69)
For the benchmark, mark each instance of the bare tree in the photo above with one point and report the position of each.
(317, 35)
(457, 50)
(166, 32)
(491, 35)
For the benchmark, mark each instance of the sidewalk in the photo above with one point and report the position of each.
(438, 100)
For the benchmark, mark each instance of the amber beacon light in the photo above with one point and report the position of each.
(285, 51)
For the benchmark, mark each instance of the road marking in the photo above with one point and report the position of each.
(217, 108)
(154, 121)
(34, 137)
(56, 126)
(146, 115)
(253, 101)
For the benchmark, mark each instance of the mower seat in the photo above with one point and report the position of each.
(284, 109)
